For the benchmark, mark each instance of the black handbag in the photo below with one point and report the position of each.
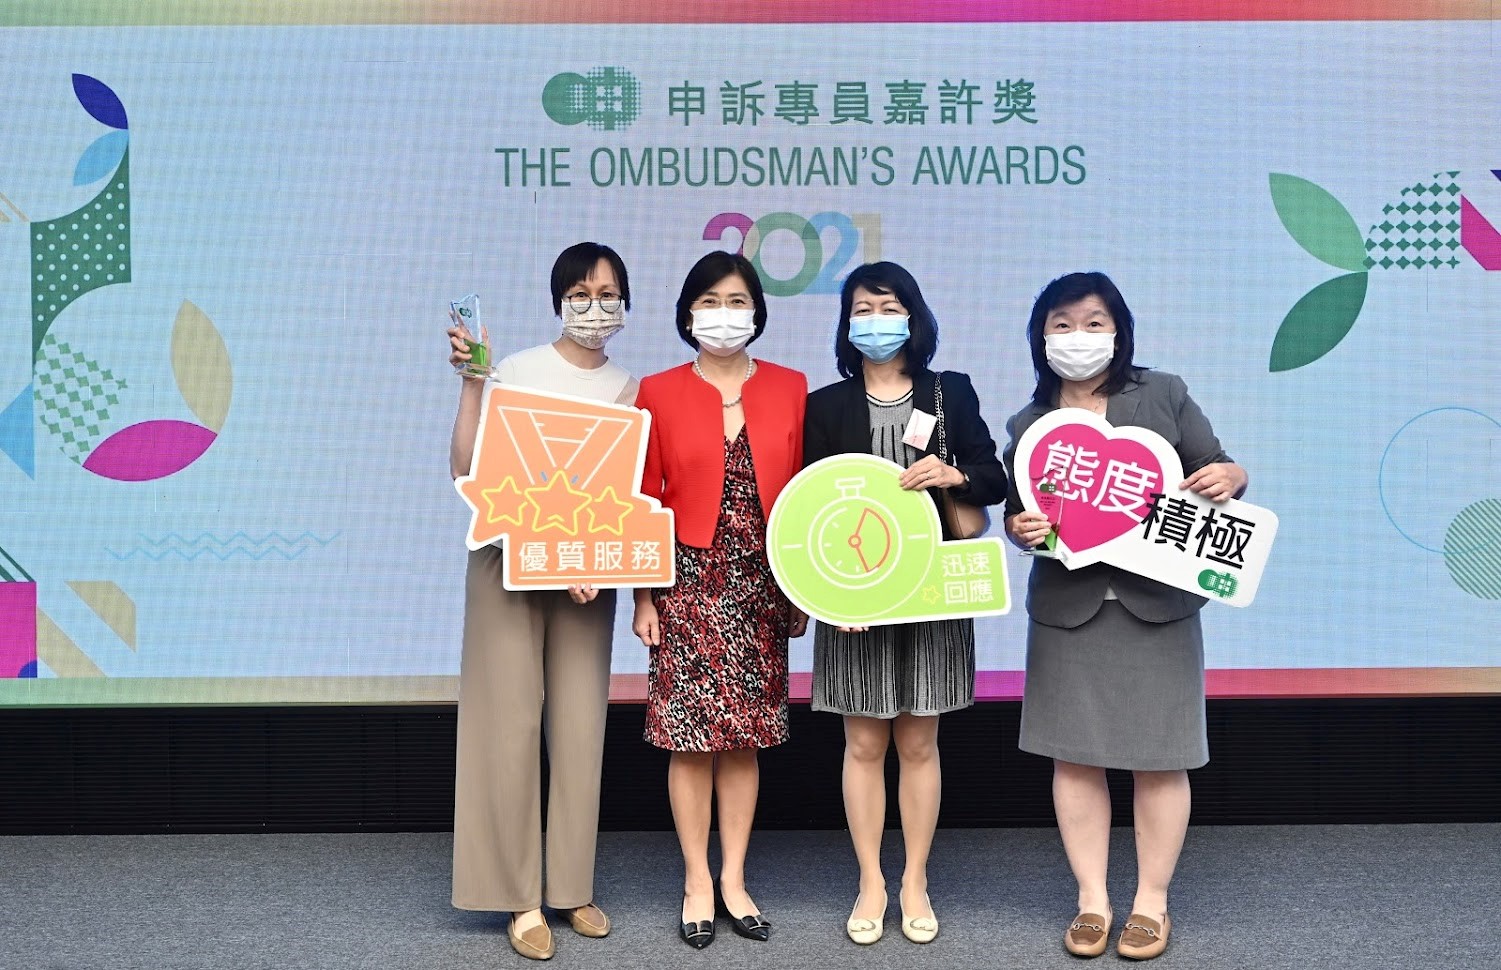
(964, 521)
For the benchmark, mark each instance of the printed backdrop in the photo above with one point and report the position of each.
(226, 251)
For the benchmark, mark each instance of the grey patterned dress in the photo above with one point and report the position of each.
(913, 668)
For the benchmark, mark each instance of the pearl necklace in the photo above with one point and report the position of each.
(750, 368)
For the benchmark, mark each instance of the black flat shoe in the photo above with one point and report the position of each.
(752, 927)
(697, 935)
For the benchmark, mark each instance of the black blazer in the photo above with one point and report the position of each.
(837, 422)
(1060, 597)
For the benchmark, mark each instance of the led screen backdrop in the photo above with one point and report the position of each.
(226, 249)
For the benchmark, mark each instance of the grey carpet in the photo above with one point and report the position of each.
(1323, 897)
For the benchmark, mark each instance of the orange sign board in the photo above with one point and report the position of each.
(556, 481)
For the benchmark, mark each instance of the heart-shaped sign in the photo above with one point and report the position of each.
(1095, 480)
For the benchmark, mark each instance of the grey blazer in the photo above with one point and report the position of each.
(1059, 597)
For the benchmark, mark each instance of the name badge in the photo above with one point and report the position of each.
(920, 429)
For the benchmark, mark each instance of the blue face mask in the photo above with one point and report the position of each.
(879, 336)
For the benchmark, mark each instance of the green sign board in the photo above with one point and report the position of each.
(850, 547)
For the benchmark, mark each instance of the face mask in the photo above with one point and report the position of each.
(723, 330)
(593, 327)
(1079, 355)
(879, 336)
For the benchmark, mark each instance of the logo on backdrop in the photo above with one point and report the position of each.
(1113, 496)
(556, 478)
(849, 546)
(798, 133)
(605, 99)
(1424, 229)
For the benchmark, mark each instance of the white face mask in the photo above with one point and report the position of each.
(592, 328)
(723, 330)
(1079, 355)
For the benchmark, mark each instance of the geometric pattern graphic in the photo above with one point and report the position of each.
(58, 651)
(17, 629)
(1472, 549)
(1479, 238)
(200, 363)
(18, 430)
(1471, 541)
(149, 450)
(110, 604)
(1420, 230)
(80, 252)
(1424, 229)
(74, 395)
(75, 254)
(236, 546)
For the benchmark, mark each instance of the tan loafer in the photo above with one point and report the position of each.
(589, 920)
(1088, 935)
(535, 943)
(1143, 937)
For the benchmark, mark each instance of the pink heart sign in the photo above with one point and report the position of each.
(1104, 478)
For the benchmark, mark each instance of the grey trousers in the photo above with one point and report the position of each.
(532, 662)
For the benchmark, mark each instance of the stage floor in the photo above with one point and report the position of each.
(1246, 897)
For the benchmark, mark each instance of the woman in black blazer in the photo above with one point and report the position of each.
(894, 681)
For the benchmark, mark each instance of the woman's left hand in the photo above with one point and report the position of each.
(930, 472)
(797, 624)
(1218, 481)
(582, 594)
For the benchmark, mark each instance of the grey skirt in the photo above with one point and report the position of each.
(908, 668)
(1117, 692)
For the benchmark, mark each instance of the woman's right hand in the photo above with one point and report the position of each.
(458, 341)
(1028, 529)
(647, 625)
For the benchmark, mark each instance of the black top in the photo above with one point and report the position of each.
(837, 422)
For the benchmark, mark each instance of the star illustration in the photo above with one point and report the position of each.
(931, 594)
(506, 502)
(608, 512)
(557, 504)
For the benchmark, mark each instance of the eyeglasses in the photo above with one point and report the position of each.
(580, 303)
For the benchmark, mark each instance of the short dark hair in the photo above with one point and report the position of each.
(922, 326)
(577, 262)
(709, 270)
(1071, 289)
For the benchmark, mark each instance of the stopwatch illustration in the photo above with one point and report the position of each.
(847, 543)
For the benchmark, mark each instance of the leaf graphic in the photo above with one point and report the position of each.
(150, 450)
(99, 101)
(1318, 221)
(101, 158)
(200, 363)
(1318, 322)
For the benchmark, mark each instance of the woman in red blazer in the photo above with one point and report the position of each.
(726, 436)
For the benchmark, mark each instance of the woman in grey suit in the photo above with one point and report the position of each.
(1115, 662)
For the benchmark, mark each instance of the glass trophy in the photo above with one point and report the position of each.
(466, 314)
(1050, 504)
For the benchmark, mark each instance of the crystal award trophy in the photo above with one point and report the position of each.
(466, 315)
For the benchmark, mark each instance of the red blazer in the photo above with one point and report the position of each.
(685, 448)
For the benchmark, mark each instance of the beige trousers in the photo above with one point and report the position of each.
(521, 649)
